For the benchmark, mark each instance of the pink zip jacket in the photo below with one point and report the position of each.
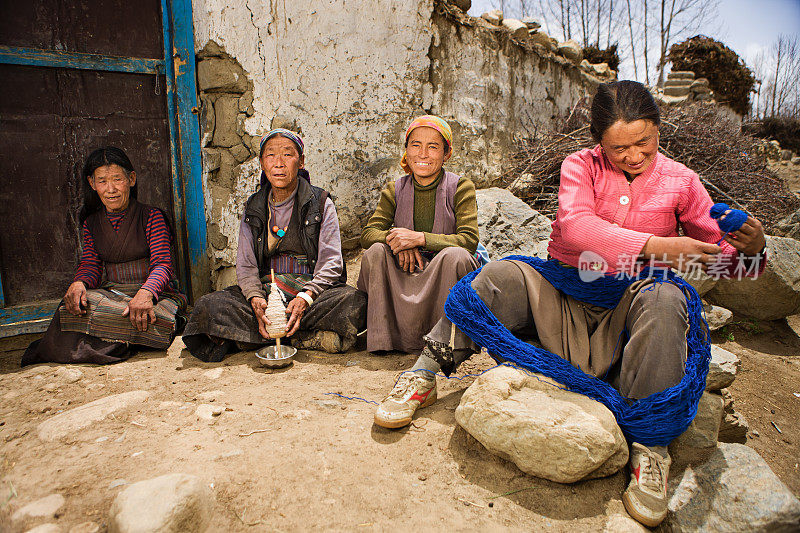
(600, 211)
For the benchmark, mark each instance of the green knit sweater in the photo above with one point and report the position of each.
(466, 212)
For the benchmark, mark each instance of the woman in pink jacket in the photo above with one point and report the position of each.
(621, 205)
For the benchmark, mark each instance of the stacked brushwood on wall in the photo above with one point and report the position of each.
(731, 165)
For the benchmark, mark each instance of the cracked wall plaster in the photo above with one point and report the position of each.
(350, 75)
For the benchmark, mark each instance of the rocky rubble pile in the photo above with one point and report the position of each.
(681, 86)
(555, 434)
(530, 30)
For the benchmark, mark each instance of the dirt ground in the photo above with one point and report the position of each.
(287, 455)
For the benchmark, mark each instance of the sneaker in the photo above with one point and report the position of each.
(645, 498)
(411, 391)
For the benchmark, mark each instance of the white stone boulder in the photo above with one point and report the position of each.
(531, 23)
(68, 374)
(572, 50)
(775, 294)
(734, 490)
(546, 431)
(45, 507)
(74, 420)
(619, 523)
(495, 16)
(701, 281)
(602, 70)
(174, 503)
(507, 225)
(540, 37)
(704, 429)
(717, 317)
(45, 528)
(517, 28)
(722, 369)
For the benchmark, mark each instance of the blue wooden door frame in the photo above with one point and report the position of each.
(178, 66)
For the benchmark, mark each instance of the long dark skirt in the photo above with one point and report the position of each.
(102, 335)
(59, 346)
(227, 315)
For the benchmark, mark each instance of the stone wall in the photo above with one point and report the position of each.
(492, 88)
(349, 76)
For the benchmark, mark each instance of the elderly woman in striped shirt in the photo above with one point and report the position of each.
(621, 204)
(124, 292)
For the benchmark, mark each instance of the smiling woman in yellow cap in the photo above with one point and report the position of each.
(419, 242)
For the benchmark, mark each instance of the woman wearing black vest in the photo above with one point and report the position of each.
(124, 292)
(290, 227)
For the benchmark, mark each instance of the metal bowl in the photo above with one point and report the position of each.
(268, 357)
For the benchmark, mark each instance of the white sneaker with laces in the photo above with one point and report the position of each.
(645, 499)
(411, 391)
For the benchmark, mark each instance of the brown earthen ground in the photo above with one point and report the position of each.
(317, 461)
(286, 455)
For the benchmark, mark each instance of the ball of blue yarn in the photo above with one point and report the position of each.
(732, 221)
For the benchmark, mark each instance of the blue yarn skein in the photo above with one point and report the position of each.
(655, 420)
(732, 221)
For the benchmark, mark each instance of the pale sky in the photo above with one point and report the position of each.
(746, 26)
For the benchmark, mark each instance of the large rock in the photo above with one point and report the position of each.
(45, 528)
(507, 225)
(78, 418)
(174, 503)
(717, 317)
(701, 281)
(722, 369)
(704, 429)
(681, 75)
(517, 28)
(495, 16)
(463, 5)
(734, 490)
(540, 37)
(45, 507)
(546, 431)
(774, 294)
(679, 90)
(571, 50)
(531, 23)
(734, 426)
(619, 523)
(602, 70)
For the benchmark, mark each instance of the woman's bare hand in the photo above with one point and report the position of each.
(749, 239)
(400, 239)
(141, 310)
(259, 306)
(409, 260)
(296, 309)
(75, 299)
(680, 253)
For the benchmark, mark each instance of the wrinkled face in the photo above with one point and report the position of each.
(113, 185)
(631, 146)
(426, 152)
(280, 161)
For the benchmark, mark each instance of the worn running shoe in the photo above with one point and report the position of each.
(411, 391)
(645, 498)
